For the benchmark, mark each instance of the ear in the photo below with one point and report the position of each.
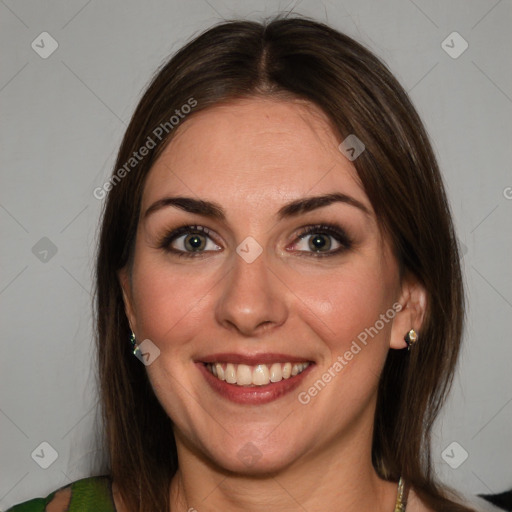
(413, 302)
(126, 287)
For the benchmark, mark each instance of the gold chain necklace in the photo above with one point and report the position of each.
(401, 497)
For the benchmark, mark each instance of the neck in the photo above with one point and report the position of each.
(340, 477)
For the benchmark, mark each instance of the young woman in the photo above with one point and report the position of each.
(279, 298)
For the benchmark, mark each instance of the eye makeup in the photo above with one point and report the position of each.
(192, 235)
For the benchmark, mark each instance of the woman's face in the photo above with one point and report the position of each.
(247, 287)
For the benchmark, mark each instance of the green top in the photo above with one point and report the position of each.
(92, 494)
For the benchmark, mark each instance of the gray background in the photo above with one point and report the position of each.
(62, 121)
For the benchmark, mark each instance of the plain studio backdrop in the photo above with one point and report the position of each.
(71, 75)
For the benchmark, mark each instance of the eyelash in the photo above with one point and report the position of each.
(319, 229)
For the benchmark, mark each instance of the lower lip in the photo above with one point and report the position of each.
(253, 395)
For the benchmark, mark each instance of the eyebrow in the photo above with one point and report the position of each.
(292, 209)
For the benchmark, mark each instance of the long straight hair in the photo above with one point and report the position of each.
(297, 58)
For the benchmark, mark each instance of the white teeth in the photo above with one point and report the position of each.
(243, 375)
(257, 375)
(276, 373)
(260, 375)
(230, 374)
(219, 370)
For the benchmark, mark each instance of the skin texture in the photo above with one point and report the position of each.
(251, 157)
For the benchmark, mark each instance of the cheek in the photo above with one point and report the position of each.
(347, 303)
(169, 305)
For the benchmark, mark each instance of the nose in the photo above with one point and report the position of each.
(253, 298)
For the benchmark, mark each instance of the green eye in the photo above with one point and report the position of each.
(321, 238)
(191, 241)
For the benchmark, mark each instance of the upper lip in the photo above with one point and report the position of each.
(263, 358)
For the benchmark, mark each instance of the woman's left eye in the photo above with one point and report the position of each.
(319, 240)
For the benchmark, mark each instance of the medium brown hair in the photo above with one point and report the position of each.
(307, 60)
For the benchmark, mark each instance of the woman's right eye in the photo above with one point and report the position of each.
(188, 241)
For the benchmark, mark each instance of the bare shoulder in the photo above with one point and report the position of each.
(60, 502)
(118, 501)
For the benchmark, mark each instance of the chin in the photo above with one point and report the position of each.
(254, 459)
(252, 464)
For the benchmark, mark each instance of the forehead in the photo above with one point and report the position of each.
(254, 149)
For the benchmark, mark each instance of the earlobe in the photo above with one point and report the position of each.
(413, 302)
(124, 281)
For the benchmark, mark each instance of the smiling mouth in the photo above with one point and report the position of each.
(255, 375)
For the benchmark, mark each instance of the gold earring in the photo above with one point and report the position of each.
(411, 338)
(133, 342)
